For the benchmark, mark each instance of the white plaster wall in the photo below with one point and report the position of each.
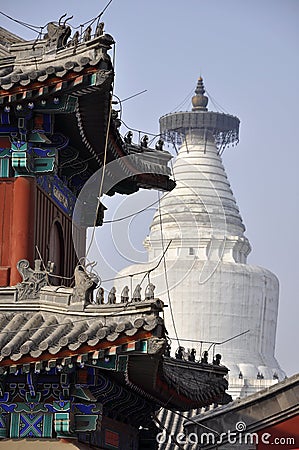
(214, 294)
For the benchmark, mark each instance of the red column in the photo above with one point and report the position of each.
(23, 224)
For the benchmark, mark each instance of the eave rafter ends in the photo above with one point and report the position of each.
(104, 356)
(90, 80)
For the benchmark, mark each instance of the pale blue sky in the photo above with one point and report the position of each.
(247, 52)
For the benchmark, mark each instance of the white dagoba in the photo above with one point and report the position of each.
(214, 295)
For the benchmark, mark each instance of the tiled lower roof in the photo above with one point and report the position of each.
(171, 425)
(55, 322)
(45, 327)
(32, 333)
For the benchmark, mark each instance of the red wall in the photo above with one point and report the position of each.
(17, 212)
(6, 198)
(27, 218)
(279, 435)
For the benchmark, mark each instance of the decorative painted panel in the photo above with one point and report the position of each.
(3, 425)
(27, 425)
(4, 167)
(58, 192)
(48, 420)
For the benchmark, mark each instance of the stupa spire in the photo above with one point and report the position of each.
(223, 128)
(199, 100)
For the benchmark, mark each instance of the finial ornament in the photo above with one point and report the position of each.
(199, 100)
(223, 127)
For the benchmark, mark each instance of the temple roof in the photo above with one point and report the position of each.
(71, 79)
(44, 327)
(24, 69)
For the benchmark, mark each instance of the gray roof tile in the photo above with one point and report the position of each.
(71, 336)
(112, 337)
(61, 330)
(49, 325)
(131, 332)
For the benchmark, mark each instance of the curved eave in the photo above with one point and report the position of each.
(146, 169)
(87, 126)
(148, 375)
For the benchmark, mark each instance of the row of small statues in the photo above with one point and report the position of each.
(190, 355)
(58, 34)
(143, 142)
(260, 376)
(87, 35)
(124, 297)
